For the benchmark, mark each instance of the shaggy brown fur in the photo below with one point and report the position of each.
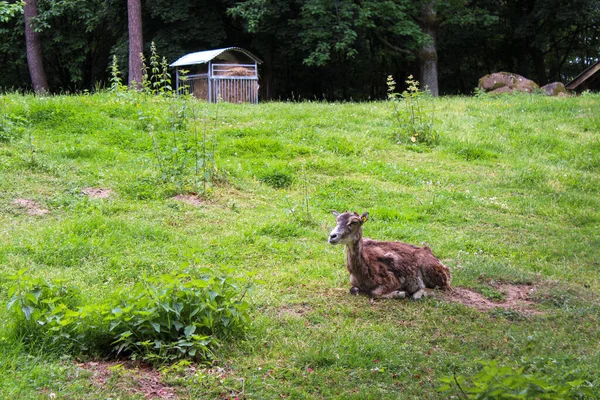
(386, 269)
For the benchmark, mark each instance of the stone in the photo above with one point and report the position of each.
(555, 89)
(506, 82)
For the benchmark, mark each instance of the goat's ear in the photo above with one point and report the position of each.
(335, 213)
(364, 217)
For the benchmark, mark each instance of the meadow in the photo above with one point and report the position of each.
(509, 195)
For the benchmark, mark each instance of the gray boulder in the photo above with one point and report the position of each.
(555, 89)
(506, 82)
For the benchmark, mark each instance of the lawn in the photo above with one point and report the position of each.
(95, 191)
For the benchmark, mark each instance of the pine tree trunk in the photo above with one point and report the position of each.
(136, 43)
(428, 54)
(33, 44)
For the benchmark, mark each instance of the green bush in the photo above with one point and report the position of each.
(176, 315)
(504, 382)
(277, 179)
(11, 127)
(414, 120)
(185, 313)
(46, 313)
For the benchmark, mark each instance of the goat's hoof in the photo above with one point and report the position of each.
(354, 291)
(418, 296)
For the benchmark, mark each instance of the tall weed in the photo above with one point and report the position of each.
(415, 122)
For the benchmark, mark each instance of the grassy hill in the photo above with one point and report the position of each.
(509, 196)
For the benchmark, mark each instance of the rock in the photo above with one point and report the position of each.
(506, 82)
(502, 89)
(555, 89)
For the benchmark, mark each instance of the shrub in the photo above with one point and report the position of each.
(177, 315)
(277, 179)
(504, 382)
(181, 314)
(415, 121)
(11, 127)
(45, 312)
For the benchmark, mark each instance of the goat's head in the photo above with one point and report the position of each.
(349, 227)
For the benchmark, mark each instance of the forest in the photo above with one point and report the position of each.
(311, 49)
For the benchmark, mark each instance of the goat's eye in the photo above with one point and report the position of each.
(353, 222)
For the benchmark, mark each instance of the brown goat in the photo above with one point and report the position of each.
(386, 269)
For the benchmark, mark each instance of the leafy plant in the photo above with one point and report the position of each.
(277, 179)
(116, 83)
(155, 80)
(158, 81)
(504, 382)
(186, 161)
(184, 87)
(415, 122)
(174, 159)
(181, 314)
(11, 127)
(206, 165)
(49, 310)
(8, 10)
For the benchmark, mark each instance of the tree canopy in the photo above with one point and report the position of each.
(332, 49)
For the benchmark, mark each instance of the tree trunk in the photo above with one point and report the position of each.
(266, 83)
(136, 43)
(428, 55)
(540, 66)
(33, 44)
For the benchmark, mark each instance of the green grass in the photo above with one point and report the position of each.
(510, 194)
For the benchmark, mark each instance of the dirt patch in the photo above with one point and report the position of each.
(295, 310)
(130, 377)
(190, 199)
(517, 298)
(30, 207)
(97, 193)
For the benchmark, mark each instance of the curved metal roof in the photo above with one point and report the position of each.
(202, 57)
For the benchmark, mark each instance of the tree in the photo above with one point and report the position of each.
(270, 24)
(428, 58)
(9, 10)
(337, 49)
(136, 43)
(77, 36)
(33, 44)
(331, 49)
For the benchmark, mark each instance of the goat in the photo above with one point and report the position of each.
(386, 269)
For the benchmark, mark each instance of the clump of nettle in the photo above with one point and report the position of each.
(413, 115)
(184, 314)
(184, 153)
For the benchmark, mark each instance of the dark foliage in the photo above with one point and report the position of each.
(315, 49)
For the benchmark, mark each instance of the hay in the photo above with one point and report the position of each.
(237, 71)
(199, 88)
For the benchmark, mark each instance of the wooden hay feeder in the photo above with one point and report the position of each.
(229, 74)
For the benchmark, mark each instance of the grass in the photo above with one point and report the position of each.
(510, 194)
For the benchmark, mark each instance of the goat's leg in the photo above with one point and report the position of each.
(355, 291)
(418, 294)
(380, 293)
(417, 287)
(396, 294)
